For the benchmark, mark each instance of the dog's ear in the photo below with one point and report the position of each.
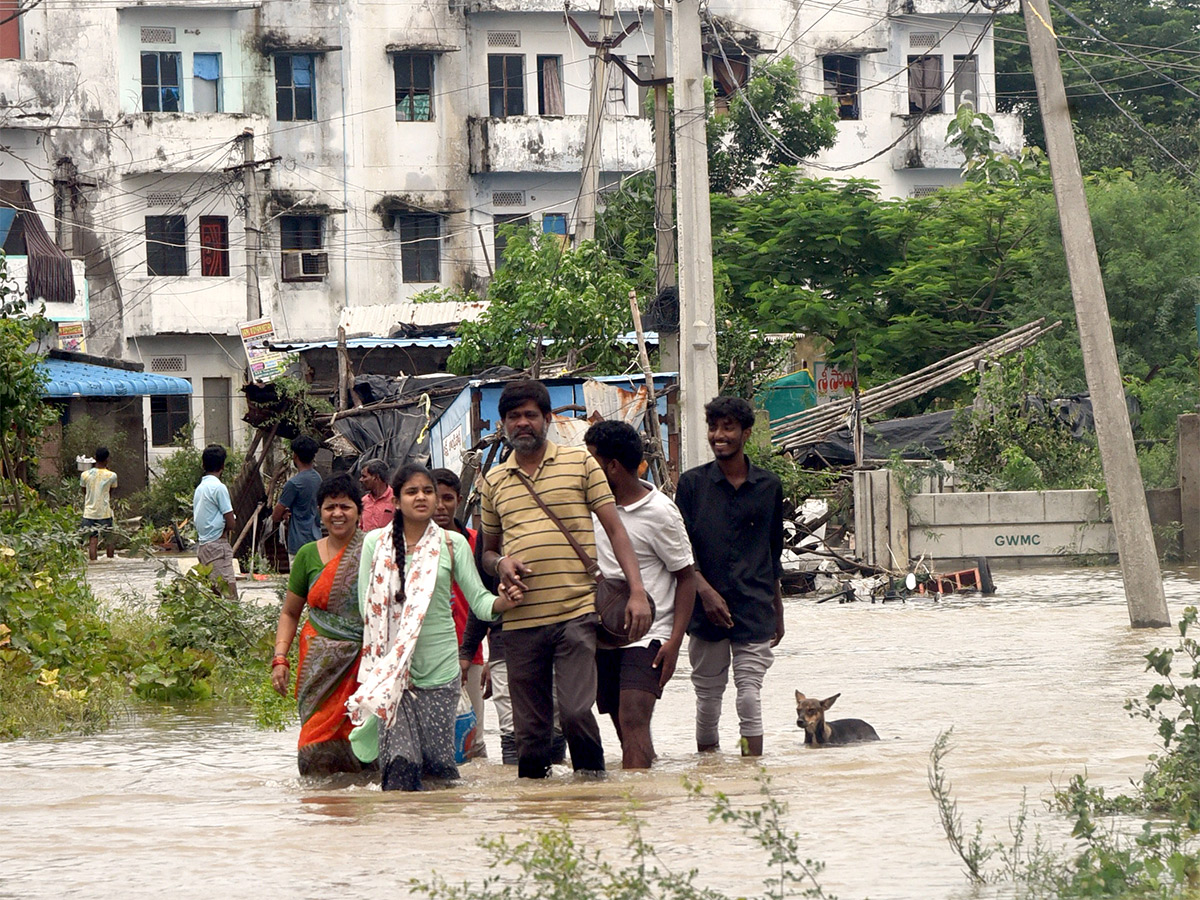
(828, 701)
(799, 696)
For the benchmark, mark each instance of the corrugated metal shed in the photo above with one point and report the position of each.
(78, 379)
(384, 318)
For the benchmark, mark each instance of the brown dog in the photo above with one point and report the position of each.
(810, 715)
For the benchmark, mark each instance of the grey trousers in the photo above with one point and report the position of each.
(711, 661)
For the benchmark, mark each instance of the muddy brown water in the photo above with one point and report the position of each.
(198, 803)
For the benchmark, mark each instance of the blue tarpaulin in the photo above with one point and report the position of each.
(77, 379)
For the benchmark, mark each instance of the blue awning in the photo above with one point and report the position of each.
(77, 379)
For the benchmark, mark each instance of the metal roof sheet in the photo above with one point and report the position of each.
(370, 342)
(384, 318)
(77, 379)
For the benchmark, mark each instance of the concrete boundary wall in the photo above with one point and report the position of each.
(1033, 526)
(1009, 524)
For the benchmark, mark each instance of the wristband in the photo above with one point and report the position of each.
(498, 561)
(280, 661)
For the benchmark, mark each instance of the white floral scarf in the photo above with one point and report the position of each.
(384, 672)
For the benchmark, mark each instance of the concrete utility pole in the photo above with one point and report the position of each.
(1126, 494)
(697, 328)
(664, 185)
(253, 227)
(585, 209)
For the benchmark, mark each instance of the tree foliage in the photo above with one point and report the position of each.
(768, 125)
(576, 298)
(1144, 62)
(24, 415)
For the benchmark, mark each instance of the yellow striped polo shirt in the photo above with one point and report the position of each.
(570, 482)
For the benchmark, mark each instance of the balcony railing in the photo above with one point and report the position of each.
(555, 144)
(925, 147)
(39, 94)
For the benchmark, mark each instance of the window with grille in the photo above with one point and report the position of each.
(214, 246)
(420, 247)
(508, 198)
(168, 416)
(295, 87)
(925, 190)
(504, 39)
(163, 198)
(168, 364)
(414, 87)
(924, 39)
(925, 84)
(160, 81)
(158, 34)
(503, 225)
(506, 85)
(301, 239)
(166, 245)
(841, 83)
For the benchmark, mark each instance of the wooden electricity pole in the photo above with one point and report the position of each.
(664, 186)
(1126, 494)
(585, 208)
(253, 228)
(697, 326)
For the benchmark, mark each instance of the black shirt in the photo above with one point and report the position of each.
(737, 539)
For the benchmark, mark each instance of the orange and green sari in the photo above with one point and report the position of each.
(327, 674)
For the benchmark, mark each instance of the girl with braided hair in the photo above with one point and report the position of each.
(405, 708)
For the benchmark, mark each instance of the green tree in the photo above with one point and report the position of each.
(1144, 61)
(768, 125)
(904, 283)
(23, 411)
(577, 298)
(1148, 240)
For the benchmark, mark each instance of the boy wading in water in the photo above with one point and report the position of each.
(97, 483)
(631, 678)
(733, 511)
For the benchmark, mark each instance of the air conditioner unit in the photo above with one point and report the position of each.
(300, 265)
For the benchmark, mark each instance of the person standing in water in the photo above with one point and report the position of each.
(97, 483)
(405, 707)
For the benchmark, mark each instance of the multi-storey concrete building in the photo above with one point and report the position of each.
(389, 139)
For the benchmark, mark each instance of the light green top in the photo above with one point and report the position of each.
(435, 658)
(97, 486)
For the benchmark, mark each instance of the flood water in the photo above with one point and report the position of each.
(198, 803)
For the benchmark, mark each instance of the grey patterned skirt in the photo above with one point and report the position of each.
(420, 742)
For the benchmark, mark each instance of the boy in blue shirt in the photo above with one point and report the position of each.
(212, 511)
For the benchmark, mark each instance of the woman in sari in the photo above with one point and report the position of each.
(325, 578)
(404, 710)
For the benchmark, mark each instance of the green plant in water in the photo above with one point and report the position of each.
(1112, 856)
(552, 865)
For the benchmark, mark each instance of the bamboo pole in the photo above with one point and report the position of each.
(660, 456)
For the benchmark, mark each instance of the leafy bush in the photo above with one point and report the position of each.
(1113, 856)
(169, 497)
(552, 864)
(1010, 441)
(67, 662)
(81, 437)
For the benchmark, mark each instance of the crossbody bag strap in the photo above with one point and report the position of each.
(589, 564)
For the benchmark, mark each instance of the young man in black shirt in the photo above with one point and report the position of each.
(733, 512)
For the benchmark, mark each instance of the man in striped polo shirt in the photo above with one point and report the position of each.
(550, 637)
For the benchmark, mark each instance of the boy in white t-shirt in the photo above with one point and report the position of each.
(631, 678)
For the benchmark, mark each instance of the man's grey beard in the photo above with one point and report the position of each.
(526, 443)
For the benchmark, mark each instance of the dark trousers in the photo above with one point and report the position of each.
(559, 657)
